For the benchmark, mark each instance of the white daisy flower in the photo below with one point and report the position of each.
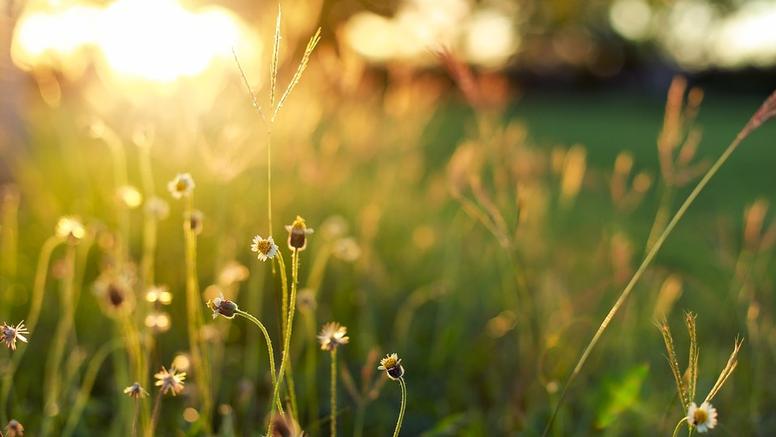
(703, 418)
(181, 185)
(264, 248)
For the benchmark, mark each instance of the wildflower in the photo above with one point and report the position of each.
(160, 294)
(157, 208)
(332, 335)
(297, 234)
(703, 418)
(222, 307)
(9, 334)
(195, 220)
(182, 185)
(71, 229)
(135, 391)
(115, 293)
(129, 196)
(14, 429)
(170, 380)
(158, 321)
(264, 248)
(392, 366)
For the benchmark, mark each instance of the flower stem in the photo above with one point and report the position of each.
(654, 249)
(290, 323)
(270, 352)
(678, 425)
(194, 318)
(38, 290)
(52, 379)
(333, 413)
(403, 406)
(155, 415)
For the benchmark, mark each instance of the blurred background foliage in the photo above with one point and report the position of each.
(478, 222)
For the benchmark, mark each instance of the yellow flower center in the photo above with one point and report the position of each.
(264, 246)
(181, 185)
(700, 416)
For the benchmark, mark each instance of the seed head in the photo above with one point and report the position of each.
(703, 418)
(297, 234)
(170, 380)
(222, 307)
(182, 185)
(135, 391)
(265, 248)
(392, 366)
(333, 335)
(9, 334)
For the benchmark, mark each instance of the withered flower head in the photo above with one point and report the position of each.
(333, 335)
(14, 429)
(392, 366)
(170, 380)
(10, 333)
(222, 307)
(135, 391)
(297, 234)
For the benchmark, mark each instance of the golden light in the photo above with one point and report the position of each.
(151, 40)
(484, 36)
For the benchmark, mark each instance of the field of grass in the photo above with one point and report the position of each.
(483, 247)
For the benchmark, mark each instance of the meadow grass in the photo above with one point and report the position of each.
(445, 232)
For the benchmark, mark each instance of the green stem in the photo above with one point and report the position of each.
(270, 352)
(403, 406)
(155, 415)
(678, 425)
(86, 386)
(38, 290)
(194, 319)
(52, 380)
(290, 324)
(640, 271)
(333, 412)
